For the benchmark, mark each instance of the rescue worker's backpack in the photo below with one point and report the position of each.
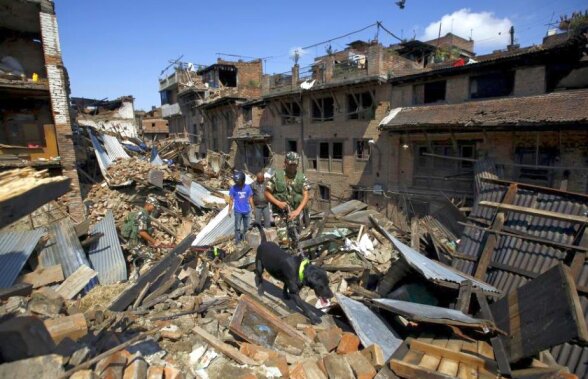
(130, 228)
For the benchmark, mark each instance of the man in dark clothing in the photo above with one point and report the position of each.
(261, 206)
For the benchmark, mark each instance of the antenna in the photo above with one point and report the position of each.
(172, 62)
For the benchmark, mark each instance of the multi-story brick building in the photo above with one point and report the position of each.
(526, 109)
(153, 126)
(35, 119)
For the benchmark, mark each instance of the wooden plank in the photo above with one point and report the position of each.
(492, 239)
(415, 242)
(467, 372)
(464, 297)
(543, 313)
(497, 343)
(408, 370)
(450, 366)
(74, 327)
(443, 352)
(224, 348)
(76, 282)
(535, 212)
(24, 190)
(536, 188)
(580, 257)
(165, 280)
(431, 361)
(484, 349)
(43, 276)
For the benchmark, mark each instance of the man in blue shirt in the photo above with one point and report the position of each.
(241, 196)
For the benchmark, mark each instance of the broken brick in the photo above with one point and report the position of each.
(360, 365)
(84, 374)
(330, 337)
(155, 372)
(266, 356)
(310, 332)
(172, 373)
(136, 369)
(374, 355)
(348, 344)
(337, 367)
(112, 366)
(306, 370)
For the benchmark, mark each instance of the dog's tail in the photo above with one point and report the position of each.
(261, 231)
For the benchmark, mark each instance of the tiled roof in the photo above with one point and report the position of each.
(554, 108)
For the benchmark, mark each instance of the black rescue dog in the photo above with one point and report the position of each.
(294, 272)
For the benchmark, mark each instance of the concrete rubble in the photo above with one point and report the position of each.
(400, 310)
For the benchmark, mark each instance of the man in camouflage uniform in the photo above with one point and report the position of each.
(138, 231)
(288, 189)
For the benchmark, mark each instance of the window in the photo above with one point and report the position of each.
(360, 106)
(153, 125)
(324, 192)
(429, 92)
(362, 149)
(492, 85)
(247, 114)
(290, 113)
(322, 109)
(359, 195)
(291, 145)
(326, 157)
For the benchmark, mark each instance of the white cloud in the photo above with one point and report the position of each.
(487, 31)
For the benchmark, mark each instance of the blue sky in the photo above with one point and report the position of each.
(114, 48)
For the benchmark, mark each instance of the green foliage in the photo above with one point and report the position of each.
(577, 22)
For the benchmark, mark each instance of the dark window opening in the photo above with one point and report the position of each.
(435, 91)
(337, 150)
(247, 114)
(492, 85)
(360, 106)
(362, 149)
(323, 109)
(359, 195)
(228, 77)
(324, 150)
(324, 192)
(291, 145)
(153, 125)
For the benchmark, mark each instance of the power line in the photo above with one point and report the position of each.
(343, 36)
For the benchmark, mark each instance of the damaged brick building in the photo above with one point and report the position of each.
(35, 120)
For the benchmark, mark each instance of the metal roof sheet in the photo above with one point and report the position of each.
(106, 254)
(114, 148)
(220, 226)
(370, 327)
(15, 250)
(64, 248)
(200, 196)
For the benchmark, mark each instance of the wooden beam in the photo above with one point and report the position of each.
(535, 212)
(76, 282)
(443, 352)
(535, 187)
(415, 242)
(492, 239)
(43, 276)
(506, 231)
(409, 370)
(497, 343)
(580, 256)
(224, 348)
(464, 297)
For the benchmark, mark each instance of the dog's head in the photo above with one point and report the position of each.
(318, 280)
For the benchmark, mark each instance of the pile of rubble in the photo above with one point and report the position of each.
(412, 300)
(135, 169)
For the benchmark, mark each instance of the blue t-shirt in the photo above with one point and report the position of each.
(241, 198)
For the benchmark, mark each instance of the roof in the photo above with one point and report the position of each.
(106, 254)
(551, 109)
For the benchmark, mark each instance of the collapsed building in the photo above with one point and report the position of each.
(35, 118)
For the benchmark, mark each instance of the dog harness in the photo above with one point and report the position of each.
(215, 251)
(303, 264)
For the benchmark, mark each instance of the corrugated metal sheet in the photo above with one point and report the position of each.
(64, 248)
(424, 311)
(200, 196)
(15, 250)
(370, 327)
(101, 155)
(433, 270)
(114, 148)
(106, 255)
(220, 226)
(519, 255)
